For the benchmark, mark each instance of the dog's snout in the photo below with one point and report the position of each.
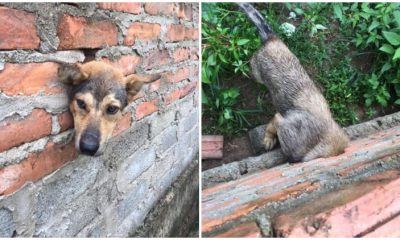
(89, 143)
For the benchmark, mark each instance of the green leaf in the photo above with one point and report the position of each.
(204, 78)
(204, 98)
(320, 27)
(299, 11)
(397, 102)
(397, 54)
(241, 42)
(212, 60)
(393, 38)
(396, 15)
(337, 10)
(222, 58)
(373, 25)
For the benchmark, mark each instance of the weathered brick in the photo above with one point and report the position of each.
(188, 88)
(7, 226)
(192, 33)
(29, 79)
(123, 124)
(134, 8)
(78, 32)
(244, 230)
(66, 121)
(133, 167)
(184, 11)
(194, 54)
(142, 31)
(172, 97)
(211, 146)
(238, 207)
(181, 74)
(62, 194)
(35, 166)
(18, 30)
(166, 9)
(348, 212)
(389, 229)
(145, 109)
(176, 33)
(156, 58)
(126, 63)
(16, 132)
(180, 54)
(154, 86)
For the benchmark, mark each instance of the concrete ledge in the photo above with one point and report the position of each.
(278, 189)
(235, 170)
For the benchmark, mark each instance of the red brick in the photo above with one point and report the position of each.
(66, 121)
(145, 109)
(126, 63)
(181, 74)
(244, 230)
(16, 132)
(211, 146)
(154, 86)
(155, 58)
(209, 222)
(389, 229)
(194, 54)
(180, 54)
(351, 217)
(172, 97)
(184, 11)
(142, 31)
(188, 88)
(134, 8)
(18, 30)
(29, 79)
(78, 32)
(176, 33)
(123, 124)
(166, 9)
(192, 33)
(35, 166)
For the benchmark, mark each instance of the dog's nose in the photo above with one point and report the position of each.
(89, 143)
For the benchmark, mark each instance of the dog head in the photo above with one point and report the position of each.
(98, 96)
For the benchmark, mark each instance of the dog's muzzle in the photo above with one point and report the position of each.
(89, 143)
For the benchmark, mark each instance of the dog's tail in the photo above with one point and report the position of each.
(255, 16)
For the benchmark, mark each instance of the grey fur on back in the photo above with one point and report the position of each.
(305, 127)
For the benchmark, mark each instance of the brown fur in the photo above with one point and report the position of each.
(100, 87)
(304, 125)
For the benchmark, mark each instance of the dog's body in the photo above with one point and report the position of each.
(99, 94)
(303, 125)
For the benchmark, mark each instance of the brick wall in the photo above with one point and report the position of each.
(46, 188)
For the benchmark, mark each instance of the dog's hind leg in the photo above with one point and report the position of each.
(298, 132)
(270, 137)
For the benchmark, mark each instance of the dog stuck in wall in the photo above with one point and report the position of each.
(303, 124)
(98, 95)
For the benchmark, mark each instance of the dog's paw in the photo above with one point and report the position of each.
(269, 142)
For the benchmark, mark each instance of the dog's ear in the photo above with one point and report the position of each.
(135, 82)
(72, 74)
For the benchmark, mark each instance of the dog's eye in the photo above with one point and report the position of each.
(81, 104)
(112, 110)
